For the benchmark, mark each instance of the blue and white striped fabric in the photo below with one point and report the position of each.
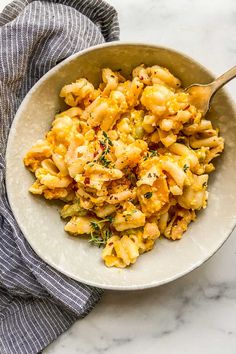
(36, 302)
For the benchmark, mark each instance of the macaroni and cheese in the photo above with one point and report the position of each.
(130, 159)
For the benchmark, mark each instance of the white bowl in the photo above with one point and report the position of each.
(39, 219)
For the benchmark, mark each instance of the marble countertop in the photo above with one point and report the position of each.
(197, 313)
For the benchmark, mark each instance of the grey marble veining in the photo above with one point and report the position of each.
(197, 313)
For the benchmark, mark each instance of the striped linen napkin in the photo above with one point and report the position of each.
(37, 303)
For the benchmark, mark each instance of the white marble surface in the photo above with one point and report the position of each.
(195, 314)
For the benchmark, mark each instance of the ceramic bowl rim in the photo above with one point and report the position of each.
(10, 137)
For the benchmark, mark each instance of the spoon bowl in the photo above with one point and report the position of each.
(201, 95)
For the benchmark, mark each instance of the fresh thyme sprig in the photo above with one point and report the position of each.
(95, 226)
(185, 167)
(105, 145)
(100, 234)
(151, 153)
(101, 238)
(107, 139)
(97, 240)
(104, 160)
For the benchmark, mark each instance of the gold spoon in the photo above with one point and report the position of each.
(201, 95)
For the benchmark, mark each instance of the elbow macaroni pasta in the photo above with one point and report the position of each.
(130, 160)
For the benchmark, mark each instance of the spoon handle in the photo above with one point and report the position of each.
(223, 79)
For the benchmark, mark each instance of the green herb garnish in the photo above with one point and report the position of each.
(105, 145)
(153, 153)
(97, 240)
(107, 234)
(95, 226)
(148, 195)
(104, 160)
(109, 218)
(99, 235)
(107, 138)
(185, 167)
(102, 143)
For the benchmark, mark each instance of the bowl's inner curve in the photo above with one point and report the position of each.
(39, 219)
